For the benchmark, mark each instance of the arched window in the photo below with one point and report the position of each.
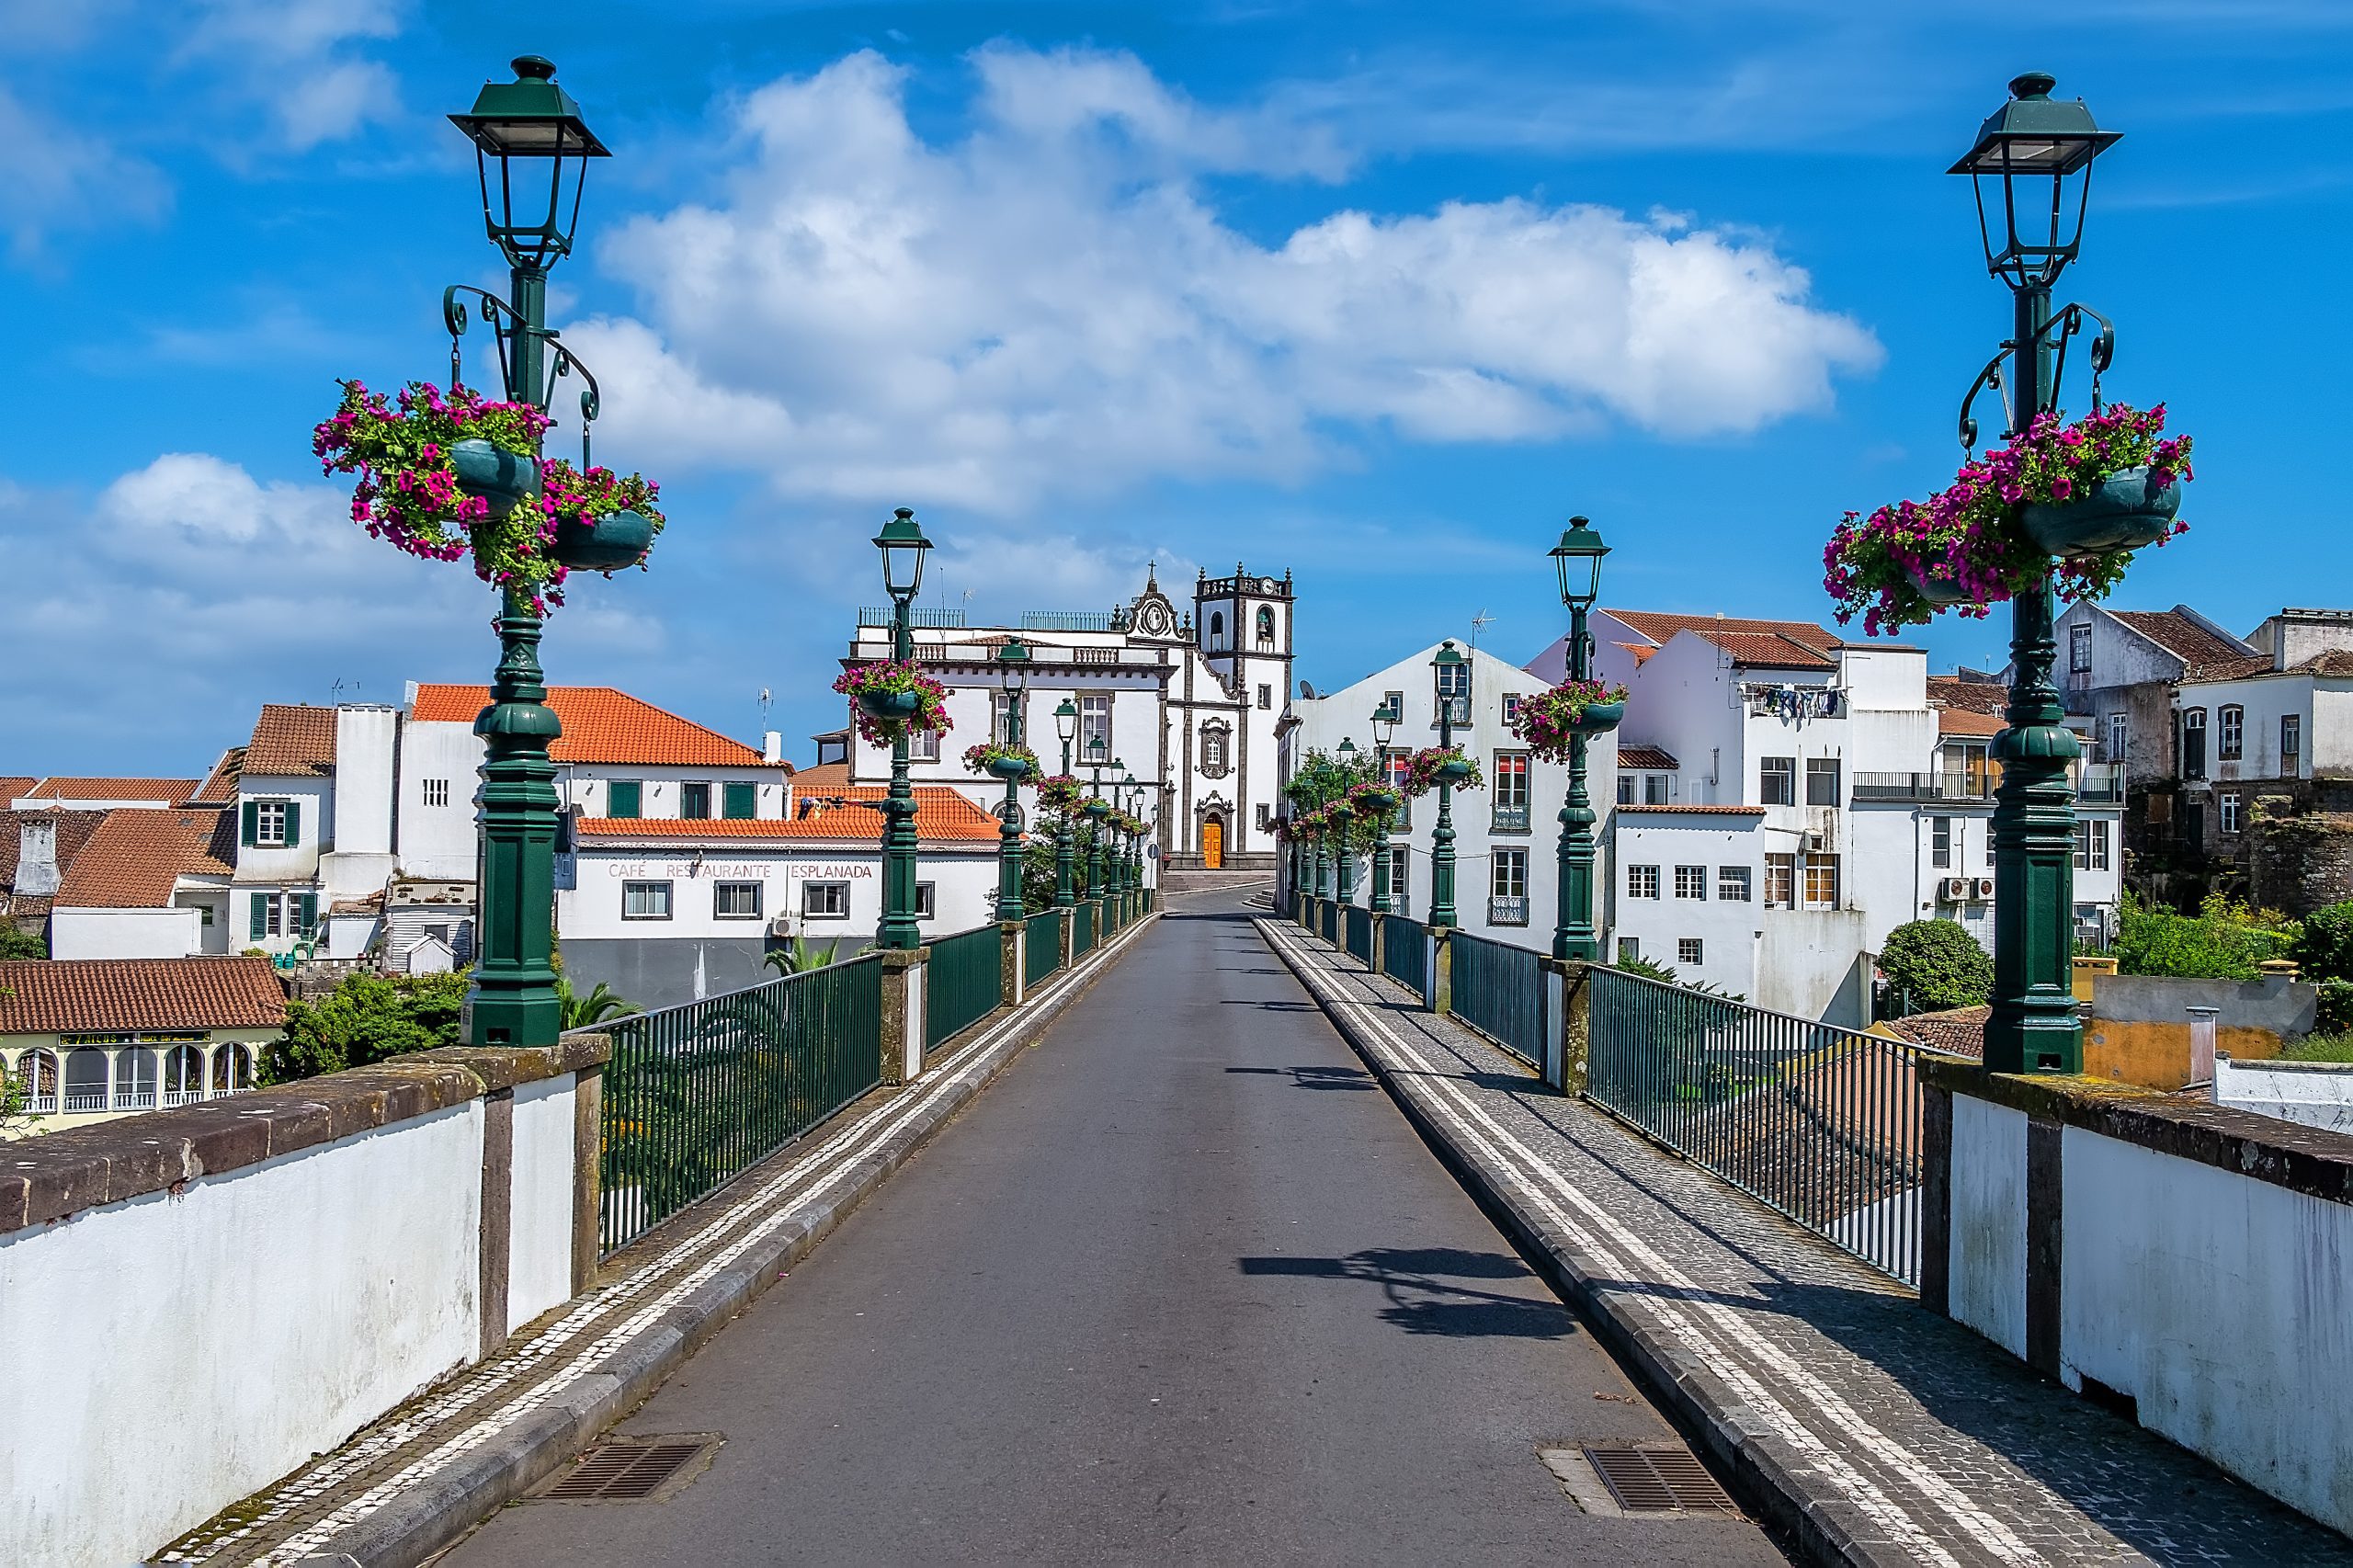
(183, 1075)
(1214, 750)
(135, 1078)
(85, 1079)
(2232, 740)
(232, 1069)
(37, 1071)
(1217, 629)
(1267, 628)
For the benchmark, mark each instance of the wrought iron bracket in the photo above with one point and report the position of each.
(2066, 324)
(508, 327)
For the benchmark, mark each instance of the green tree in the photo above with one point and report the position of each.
(366, 1018)
(583, 1012)
(2326, 948)
(2224, 940)
(18, 944)
(1936, 965)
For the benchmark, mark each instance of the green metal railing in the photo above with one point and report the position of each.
(1821, 1123)
(1405, 953)
(963, 982)
(1082, 930)
(1359, 933)
(1330, 918)
(694, 1095)
(1045, 942)
(1499, 991)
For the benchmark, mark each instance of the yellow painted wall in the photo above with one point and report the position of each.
(2156, 1055)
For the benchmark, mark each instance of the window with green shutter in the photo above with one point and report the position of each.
(251, 834)
(260, 926)
(309, 915)
(740, 801)
(624, 797)
(293, 824)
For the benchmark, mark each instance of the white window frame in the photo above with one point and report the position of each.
(1689, 950)
(1820, 768)
(1787, 864)
(1767, 772)
(2079, 648)
(1094, 719)
(2231, 743)
(1694, 879)
(270, 826)
(927, 900)
(1941, 842)
(832, 893)
(1508, 877)
(1828, 866)
(1641, 881)
(2228, 817)
(642, 893)
(1515, 792)
(923, 745)
(719, 891)
(1735, 884)
(2292, 744)
(2120, 735)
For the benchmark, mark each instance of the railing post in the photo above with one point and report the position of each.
(1010, 970)
(588, 1174)
(1441, 968)
(1568, 1020)
(902, 977)
(1379, 937)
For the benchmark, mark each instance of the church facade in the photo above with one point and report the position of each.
(1185, 700)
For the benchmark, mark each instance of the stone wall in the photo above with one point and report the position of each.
(2300, 863)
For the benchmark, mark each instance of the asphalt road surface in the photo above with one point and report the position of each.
(1184, 1287)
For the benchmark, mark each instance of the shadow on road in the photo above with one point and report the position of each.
(1421, 1300)
(1317, 1077)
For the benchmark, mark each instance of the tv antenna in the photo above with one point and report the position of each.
(1480, 622)
(765, 700)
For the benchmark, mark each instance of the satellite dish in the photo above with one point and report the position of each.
(1306, 691)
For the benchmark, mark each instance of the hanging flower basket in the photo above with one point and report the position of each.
(1433, 766)
(1011, 763)
(447, 475)
(2088, 494)
(1059, 792)
(1096, 810)
(1550, 720)
(894, 700)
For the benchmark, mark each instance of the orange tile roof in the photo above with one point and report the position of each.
(820, 779)
(1961, 1031)
(1641, 652)
(221, 786)
(2179, 633)
(601, 725)
(11, 788)
(1653, 757)
(74, 830)
(1962, 722)
(1660, 628)
(940, 813)
(1701, 811)
(101, 995)
(1769, 649)
(292, 742)
(168, 791)
(137, 856)
(1977, 695)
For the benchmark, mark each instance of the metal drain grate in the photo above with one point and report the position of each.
(633, 1470)
(1657, 1478)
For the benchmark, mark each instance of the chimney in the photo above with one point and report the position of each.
(772, 746)
(37, 859)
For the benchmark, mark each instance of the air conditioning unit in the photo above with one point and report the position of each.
(1986, 886)
(1814, 842)
(1955, 889)
(780, 926)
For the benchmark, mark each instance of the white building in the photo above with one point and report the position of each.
(1785, 812)
(1507, 835)
(1188, 704)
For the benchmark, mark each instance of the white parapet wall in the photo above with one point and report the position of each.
(2187, 1264)
(2317, 1093)
(202, 1299)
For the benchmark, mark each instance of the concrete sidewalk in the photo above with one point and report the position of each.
(1878, 1432)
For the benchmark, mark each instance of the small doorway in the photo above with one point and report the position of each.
(1212, 842)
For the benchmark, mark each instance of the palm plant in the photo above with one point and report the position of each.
(585, 1012)
(802, 956)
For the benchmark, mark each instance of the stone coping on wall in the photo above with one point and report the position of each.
(2309, 1160)
(56, 1175)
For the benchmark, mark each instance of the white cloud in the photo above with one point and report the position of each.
(1054, 305)
(293, 57)
(67, 177)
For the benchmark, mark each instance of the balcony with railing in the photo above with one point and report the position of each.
(1502, 910)
(2102, 784)
(1924, 786)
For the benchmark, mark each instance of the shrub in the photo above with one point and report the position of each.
(1936, 965)
(2326, 948)
(2334, 1014)
(366, 1018)
(17, 944)
(2319, 1047)
(2224, 940)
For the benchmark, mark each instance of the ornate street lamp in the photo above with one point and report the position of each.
(1348, 757)
(1096, 808)
(1065, 837)
(1131, 802)
(1385, 732)
(903, 546)
(1013, 678)
(1443, 668)
(2039, 151)
(1577, 562)
(524, 127)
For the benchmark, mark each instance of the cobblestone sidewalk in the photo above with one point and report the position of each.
(1882, 1432)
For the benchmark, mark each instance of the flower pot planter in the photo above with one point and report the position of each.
(1382, 801)
(890, 706)
(1099, 810)
(613, 541)
(1013, 769)
(2125, 511)
(1454, 769)
(1600, 717)
(500, 477)
(1938, 588)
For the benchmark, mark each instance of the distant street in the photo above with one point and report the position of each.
(1182, 1287)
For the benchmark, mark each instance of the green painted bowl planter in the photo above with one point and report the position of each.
(890, 706)
(1012, 769)
(1938, 588)
(1601, 718)
(608, 544)
(1455, 769)
(1383, 802)
(1099, 810)
(500, 477)
(2124, 513)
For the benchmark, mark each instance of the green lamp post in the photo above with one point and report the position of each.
(1384, 733)
(1448, 669)
(2038, 152)
(1097, 808)
(525, 126)
(1347, 754)
(1578, 561)
(1065, 835)
(903, 546)
(1131, 802)
(1013, 677)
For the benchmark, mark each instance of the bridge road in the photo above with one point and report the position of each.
(1182, 1287)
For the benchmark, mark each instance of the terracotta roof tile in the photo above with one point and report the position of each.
(1962, 722)
(2181, 635)
(940, 813)
(820, 779)
(220, 787)
(136, 857)
(1770, 651)
(1961, 1031)
(601, 724)
(1654, 758)
(12, 787)
(1698, 811)
(164, 791)
(1977, 695)
(1661, 628)
(292, 742)
(1641, 652)
(100, 996)
(74, 830)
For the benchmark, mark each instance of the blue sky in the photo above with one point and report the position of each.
(1377, 292)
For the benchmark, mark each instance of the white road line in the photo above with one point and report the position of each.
(1463, 1112)
(846, 1148)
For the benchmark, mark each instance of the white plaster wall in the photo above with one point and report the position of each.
(363, 779)
(172, 1354)
(2216, 1301)
(439, 841)
(174, 933)
(314, 832)
(2330, 744)
(1987, 1249)
(965, 891)
(538, 1255)
(1728, 931)
(2264, 700)
(2312, 1093)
